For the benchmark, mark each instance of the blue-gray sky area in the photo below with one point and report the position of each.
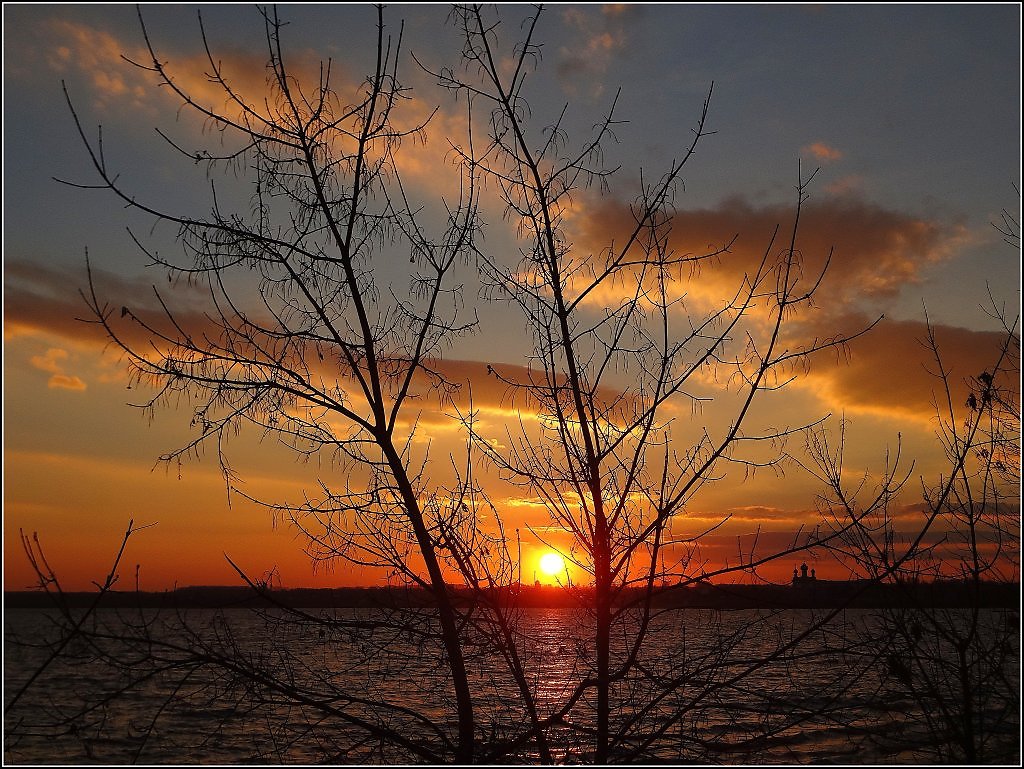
(910, 113)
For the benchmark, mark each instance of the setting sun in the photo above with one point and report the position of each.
(551, 563)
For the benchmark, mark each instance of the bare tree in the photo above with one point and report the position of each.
(604, 458)
(947, 643)
(304, 339)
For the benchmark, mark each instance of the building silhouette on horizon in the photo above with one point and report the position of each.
(802, 578)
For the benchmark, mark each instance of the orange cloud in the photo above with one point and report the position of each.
(823, 152)
(602, 36)
(885, 372)
(106, 60)
(52, 363)
(615, 9)
(40, 299)
(890, 370)
(877, 251)
(851, 184)
(116, 82)
(764, 514)
(43, 300)
(64, 382)
(98, 55)
(49, 362)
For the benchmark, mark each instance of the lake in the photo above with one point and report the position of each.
(709, 687)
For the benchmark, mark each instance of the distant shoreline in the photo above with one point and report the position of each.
(816, 595)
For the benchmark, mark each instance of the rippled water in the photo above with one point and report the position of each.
(743, 692)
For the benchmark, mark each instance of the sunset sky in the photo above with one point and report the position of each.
(912, 114)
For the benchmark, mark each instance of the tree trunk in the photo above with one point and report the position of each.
(445, 610)
(602, 607)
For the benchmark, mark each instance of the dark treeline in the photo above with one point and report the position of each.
(820, 594)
